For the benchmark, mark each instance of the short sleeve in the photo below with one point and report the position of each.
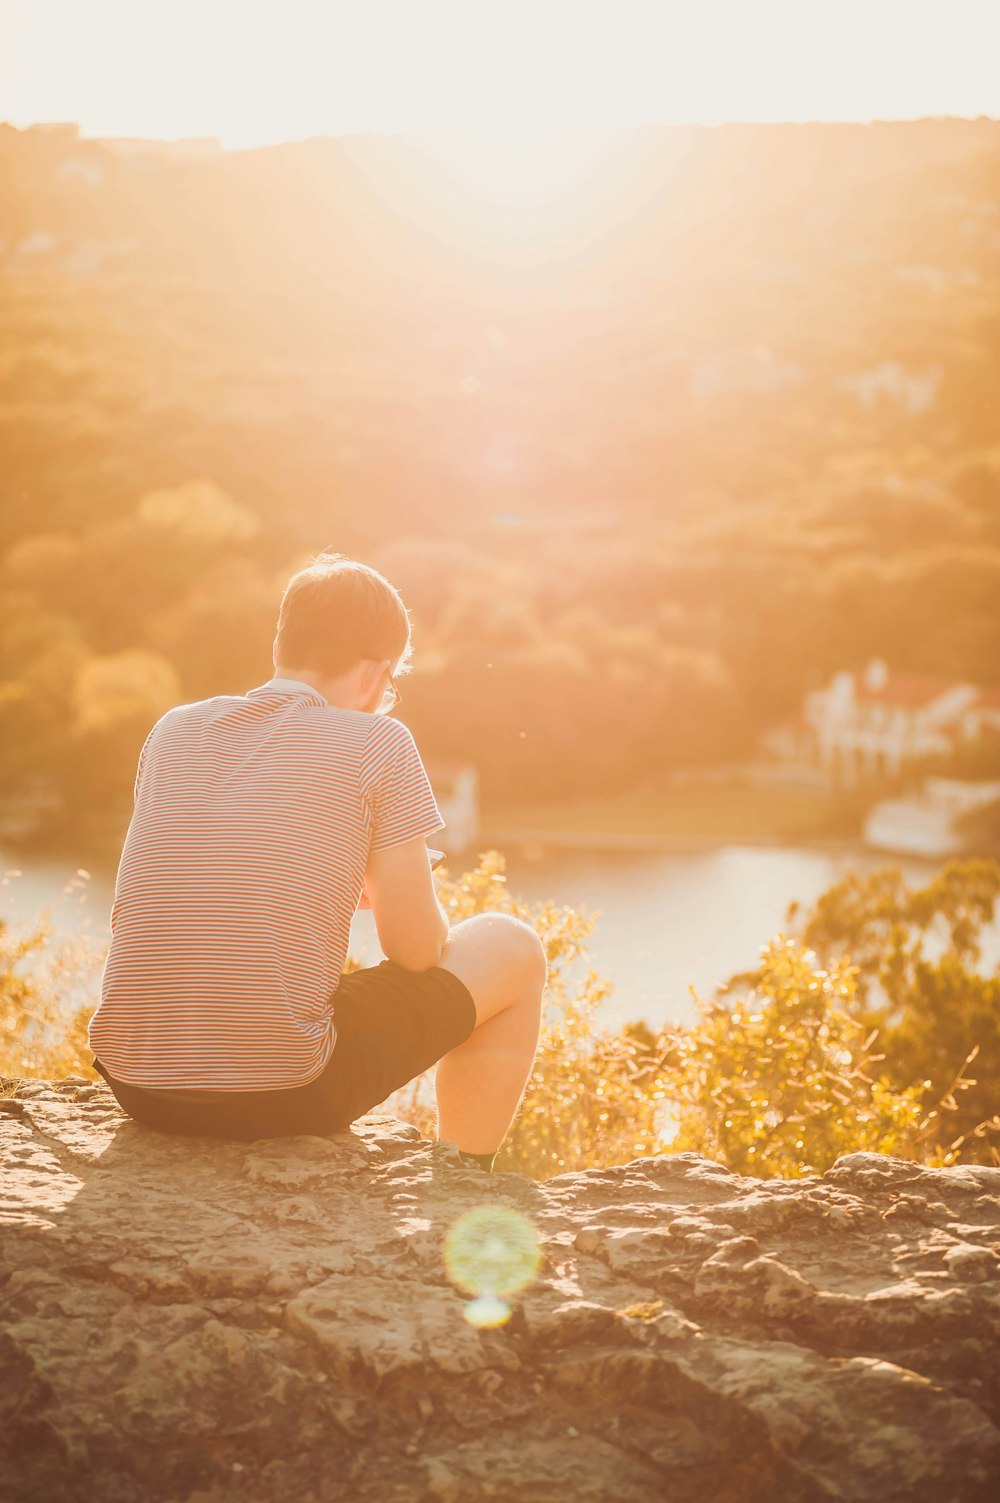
(142, 764)
(145, 752)
(396, 787)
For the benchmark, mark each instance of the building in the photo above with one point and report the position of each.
(872, 723)
(923, 825)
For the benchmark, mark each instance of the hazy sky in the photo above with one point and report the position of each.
(253, 71)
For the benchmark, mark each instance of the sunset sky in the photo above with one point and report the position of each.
(250, 73)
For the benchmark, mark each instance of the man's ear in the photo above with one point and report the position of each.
(371, 669)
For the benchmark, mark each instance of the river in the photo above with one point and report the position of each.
(664, 920)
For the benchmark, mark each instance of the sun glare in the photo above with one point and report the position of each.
(515, 169)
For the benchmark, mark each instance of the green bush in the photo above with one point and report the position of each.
(783, 1083)
(934, 1012)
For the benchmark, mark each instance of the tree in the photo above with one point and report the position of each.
(116, 698)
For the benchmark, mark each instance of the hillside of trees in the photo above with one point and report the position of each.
(647, 459)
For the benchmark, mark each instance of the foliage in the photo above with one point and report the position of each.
(591, 1098)
(168, 455)
(48, 991)
(775, 1076)
(932, 1010)
(782, 1083)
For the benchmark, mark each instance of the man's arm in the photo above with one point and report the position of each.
(412, 926)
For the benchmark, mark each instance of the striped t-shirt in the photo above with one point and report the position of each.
(240, 872)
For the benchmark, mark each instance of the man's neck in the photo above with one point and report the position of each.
(281, 677)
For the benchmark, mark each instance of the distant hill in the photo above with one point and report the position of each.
(668, 443)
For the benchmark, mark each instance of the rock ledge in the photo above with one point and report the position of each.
(196, 1321)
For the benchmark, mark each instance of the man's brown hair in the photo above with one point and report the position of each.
(336, 611)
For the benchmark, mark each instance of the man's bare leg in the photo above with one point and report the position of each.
(479, 1083)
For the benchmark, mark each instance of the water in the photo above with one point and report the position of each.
(671, 920)
(666, 921)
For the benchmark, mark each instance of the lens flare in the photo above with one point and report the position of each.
(490, 1252)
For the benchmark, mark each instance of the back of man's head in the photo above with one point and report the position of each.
(336, 611)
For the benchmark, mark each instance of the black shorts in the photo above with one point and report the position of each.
(392, 1025)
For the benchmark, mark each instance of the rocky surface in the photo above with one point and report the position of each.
(197, 1321)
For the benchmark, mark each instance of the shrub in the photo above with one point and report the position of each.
(592, 1098)
(933, 1011)
(781, 1083)
(47, 996)
(775, 1075)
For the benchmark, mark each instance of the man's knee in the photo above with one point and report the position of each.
(525, 951)
(531, 950)
(508, 942)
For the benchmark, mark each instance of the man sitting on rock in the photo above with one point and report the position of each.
(262, 821)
